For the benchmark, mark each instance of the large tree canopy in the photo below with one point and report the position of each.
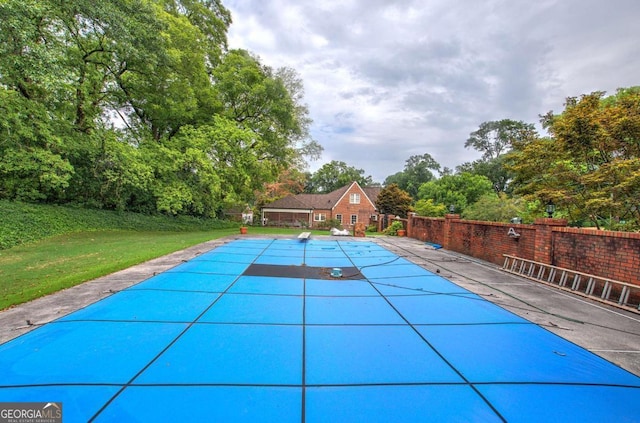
(590, 166)
(267, 103)
(459, 190)
(334, 175)
(417, 171)
(494, 140)
(137, 104)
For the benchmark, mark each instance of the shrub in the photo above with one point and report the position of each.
(328, 224)
(393, 228)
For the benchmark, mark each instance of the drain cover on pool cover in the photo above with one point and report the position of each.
(300, 272)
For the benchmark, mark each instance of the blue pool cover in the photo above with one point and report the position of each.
(204, 342)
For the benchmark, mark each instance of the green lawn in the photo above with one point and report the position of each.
(36, 269)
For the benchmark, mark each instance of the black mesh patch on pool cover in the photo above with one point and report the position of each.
(300, 272)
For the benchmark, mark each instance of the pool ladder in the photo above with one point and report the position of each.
(619, 294)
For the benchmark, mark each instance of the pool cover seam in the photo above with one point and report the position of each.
(186, 322)
(303, 399)
(469, 383)
(422, 292)
(167, 347)
(320, 385)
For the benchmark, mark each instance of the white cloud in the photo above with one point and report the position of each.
(385, 79)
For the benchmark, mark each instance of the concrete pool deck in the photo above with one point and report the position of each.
(611, 333)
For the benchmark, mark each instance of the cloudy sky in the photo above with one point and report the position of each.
(388, 79)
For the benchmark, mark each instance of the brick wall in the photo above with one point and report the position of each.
(428, 230)
(614, 255)
(316, 215)
(489, 240)
(364, 210)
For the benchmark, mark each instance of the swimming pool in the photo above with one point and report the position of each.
(258, 330)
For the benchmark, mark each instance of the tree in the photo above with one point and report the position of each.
(305, 145)
(202, 127)
(494, 170)
(204, 169)
(590, 166)
(393, 200)
(168, 83)
(494, 139)
(334, 175)
(496, 208)
(417, 170)
(289, 182)
(459, 190)
(32, 166)
(427, 207)
(267, 103)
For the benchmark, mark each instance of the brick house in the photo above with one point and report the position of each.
(349, 205)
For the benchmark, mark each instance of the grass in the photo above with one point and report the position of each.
(23, 223)
(37, 269)
(40, 268)
(46, 248)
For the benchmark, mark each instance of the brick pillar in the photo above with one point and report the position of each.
(359, 229)
(410, 218)
(390, 219)
(543, 250)
(447, 236)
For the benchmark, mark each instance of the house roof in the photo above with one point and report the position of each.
(321, 201)
(289, 202)
(372, 193)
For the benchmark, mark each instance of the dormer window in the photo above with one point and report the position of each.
(354, 199)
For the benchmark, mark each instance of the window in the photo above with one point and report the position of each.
(339, 218)
(319, 217)
(354, 199)
(354, 219)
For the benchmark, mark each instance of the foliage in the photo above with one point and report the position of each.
(497, 208)
(459, 190)
(334, 175)
(393, 200)
(33, 174)
(393, 228)
(494, 139)
(417, 170)
(590, 167)
(427, 207)
(290, 182)
(268, 104)
(199, 128)
(24, 223)
(494, 170)
(329, 223)
(31, 164)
